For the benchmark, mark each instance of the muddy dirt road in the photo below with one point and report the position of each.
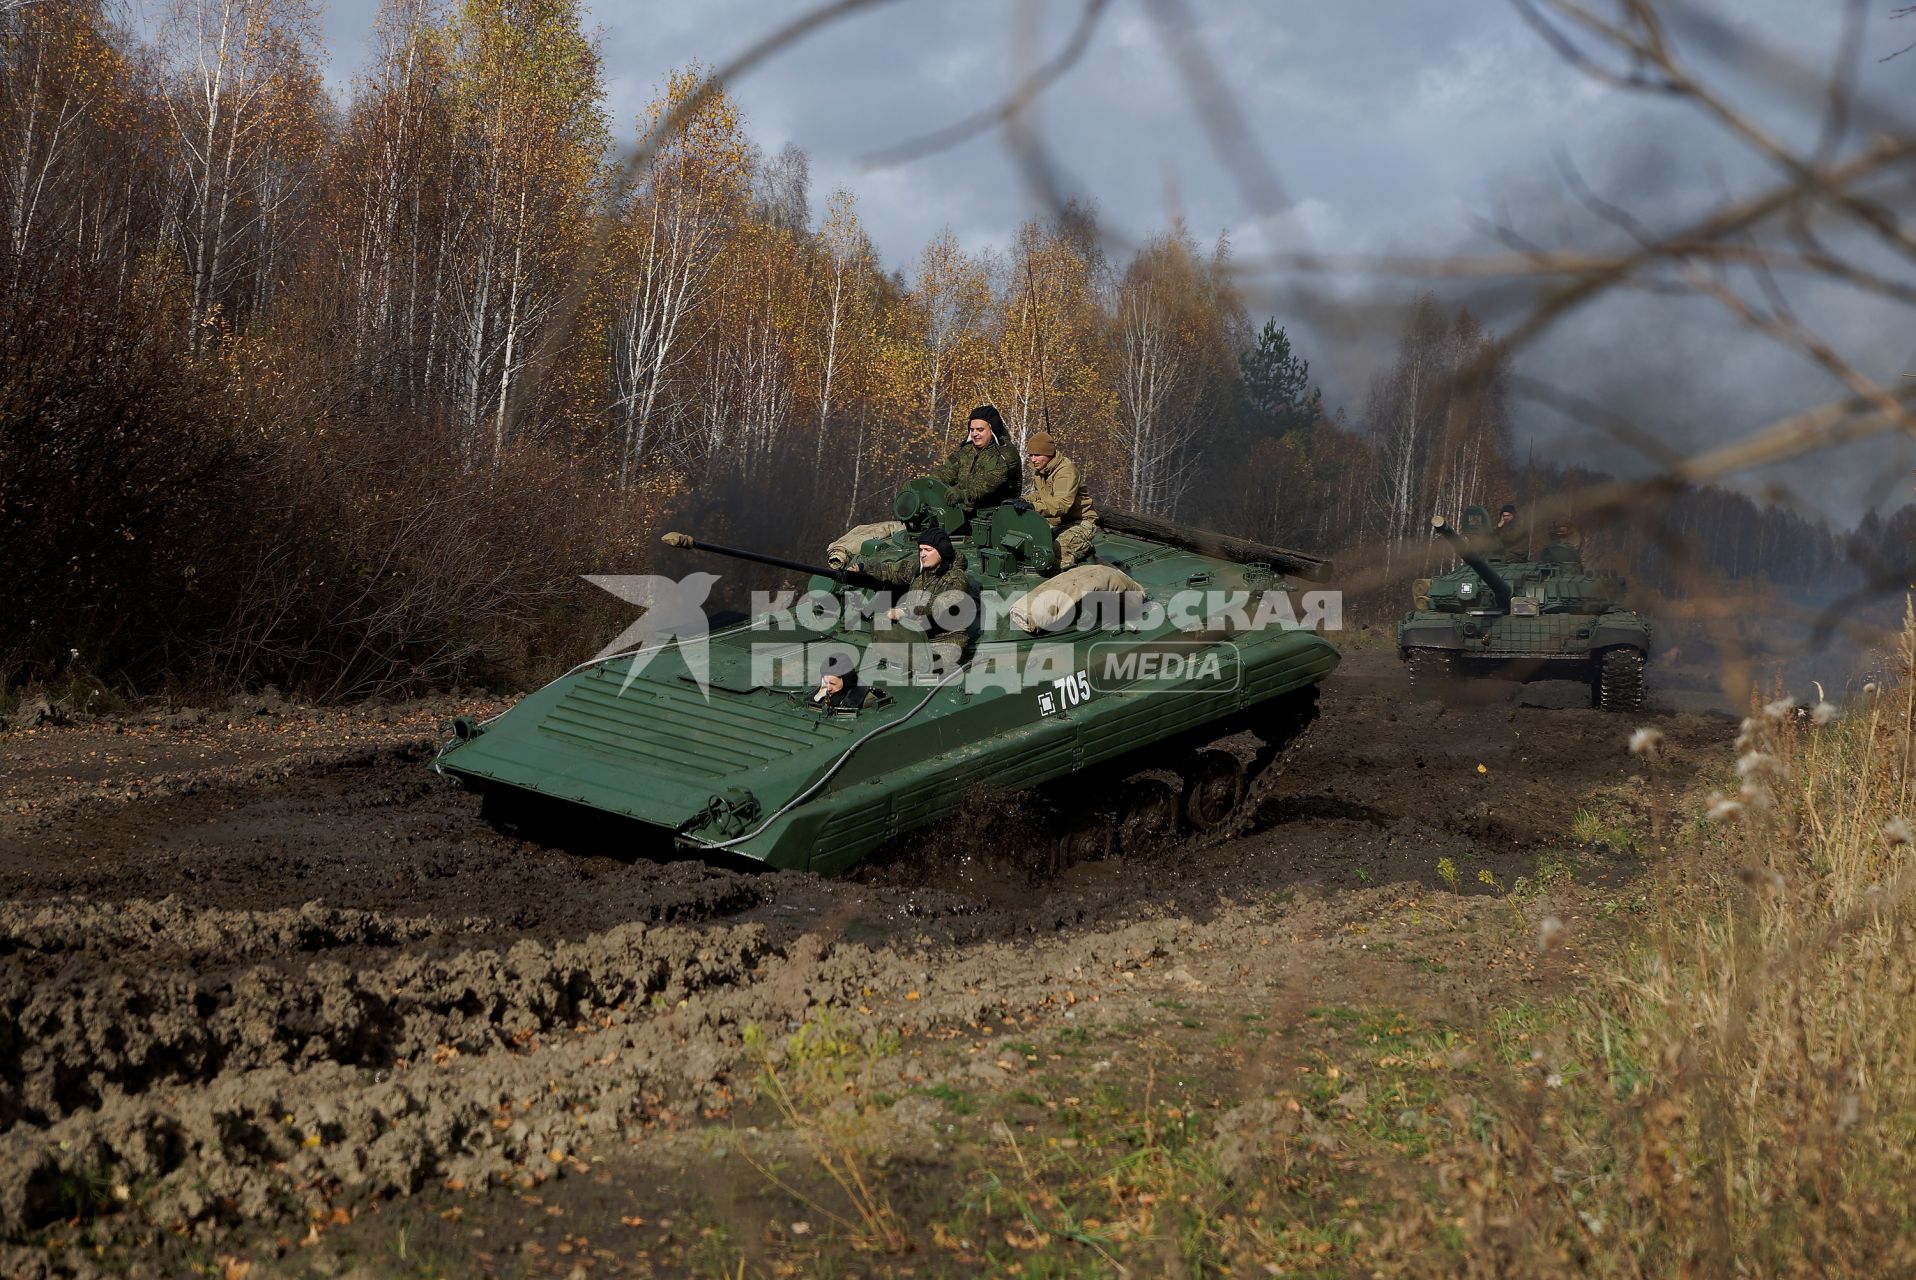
(263, 975)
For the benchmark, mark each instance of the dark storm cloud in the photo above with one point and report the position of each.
(1396, 125)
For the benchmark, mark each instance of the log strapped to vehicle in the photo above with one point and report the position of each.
(1222, 545)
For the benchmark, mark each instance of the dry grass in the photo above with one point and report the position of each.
(1737, 1096)
(813, 1081)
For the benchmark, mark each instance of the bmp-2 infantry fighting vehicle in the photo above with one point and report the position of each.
(1547, 618)
(1188, 640)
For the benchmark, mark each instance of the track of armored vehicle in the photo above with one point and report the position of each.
(1109, 729)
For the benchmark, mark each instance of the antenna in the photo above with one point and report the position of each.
(1044, 381)
(1530, 496)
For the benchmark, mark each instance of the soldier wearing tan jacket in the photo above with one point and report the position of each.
(1061, 498)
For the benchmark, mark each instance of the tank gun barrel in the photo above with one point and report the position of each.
(1221, 545)
(844, 577)
(1492, 579)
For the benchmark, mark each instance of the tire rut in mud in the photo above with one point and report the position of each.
(313, 1063)
(263, 994)
(75, 1032)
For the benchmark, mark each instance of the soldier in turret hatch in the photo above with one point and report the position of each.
(1565, 534)
(983, 471)
(839, 688)
(1508, 538)
(1061, 498)
(943, 606)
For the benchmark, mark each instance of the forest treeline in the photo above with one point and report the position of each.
(346, 395)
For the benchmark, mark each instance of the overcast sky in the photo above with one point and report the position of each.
(1391, 124)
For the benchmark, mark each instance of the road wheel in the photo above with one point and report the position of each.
(1087, 839)
(1213, 786)
(1150, 817)
(1620, 680)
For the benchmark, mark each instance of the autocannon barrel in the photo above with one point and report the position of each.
(1492, 579)
(844, 577)
(1221, 545)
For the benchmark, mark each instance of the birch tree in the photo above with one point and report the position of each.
(396, 211)
(64, 85)
(750, 361)
(527, 92)
(241, 100)
(1473, 441)
(845, 307)
(664, 249)
(1050, 368)
(887, 447)
(1441, 442)
(951, 300)
(782, 189)
(1174, 318)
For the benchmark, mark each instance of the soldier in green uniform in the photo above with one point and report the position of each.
(939, 595)
(984, 470)
(1061, 498)
(1511, 543)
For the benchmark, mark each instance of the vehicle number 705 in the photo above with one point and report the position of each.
(1065, 692)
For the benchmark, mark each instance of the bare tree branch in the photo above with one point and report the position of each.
(1225, 126)
(1045, 75)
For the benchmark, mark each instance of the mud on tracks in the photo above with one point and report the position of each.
(271, 987)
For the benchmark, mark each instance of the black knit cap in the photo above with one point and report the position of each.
(1509, 509)
(940, 541)
(990, 414)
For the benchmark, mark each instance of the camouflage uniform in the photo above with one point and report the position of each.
(1512, 543)
(936, 588)
(1062, 499)
(983, 477)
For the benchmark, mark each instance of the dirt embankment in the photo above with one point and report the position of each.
(275, 970)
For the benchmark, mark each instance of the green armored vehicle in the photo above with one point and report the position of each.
(1101, 693)
(1544, 618)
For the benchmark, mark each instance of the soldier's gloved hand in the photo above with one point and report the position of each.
(1020, 505)
(953, 497)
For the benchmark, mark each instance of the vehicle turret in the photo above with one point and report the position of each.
(1492, 579)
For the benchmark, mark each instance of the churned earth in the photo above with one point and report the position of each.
(275, 1001)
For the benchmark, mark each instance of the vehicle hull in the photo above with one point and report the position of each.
(744, 768)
